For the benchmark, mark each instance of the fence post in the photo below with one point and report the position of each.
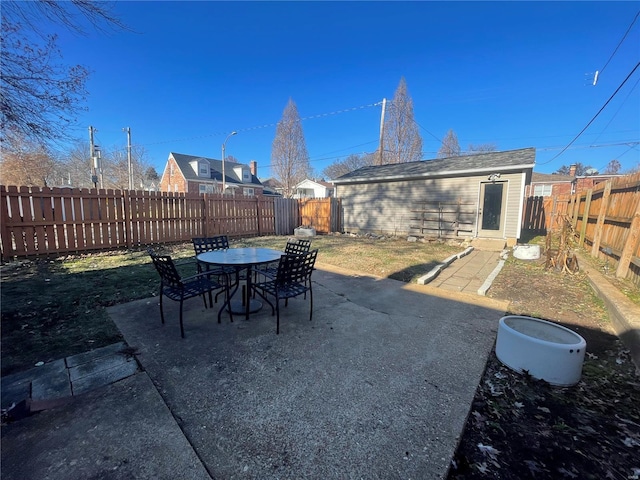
(629, 245)
(575, 210)
(604, 206)
(258, 216)
(128, 218)
(585, 217)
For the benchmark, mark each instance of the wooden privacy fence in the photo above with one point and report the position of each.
(324, 214)
(52, 221)
(605, 218)
(541, 214)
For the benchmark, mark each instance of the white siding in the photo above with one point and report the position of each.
(391, 207)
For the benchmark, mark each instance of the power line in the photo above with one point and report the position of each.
(619, 108)
(266, 125)
(595, 116)
(620, 43)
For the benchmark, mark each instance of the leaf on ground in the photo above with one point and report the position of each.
(488, 450)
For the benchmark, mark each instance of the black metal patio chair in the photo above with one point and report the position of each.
(294, 246)
(209, 244)
(292, 279)
(180, 289)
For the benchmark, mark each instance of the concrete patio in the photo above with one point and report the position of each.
(377, 385)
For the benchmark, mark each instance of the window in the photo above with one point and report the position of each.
(248, 192)
(542, 190)
(202, 188)
(203, 169)
(246, 176)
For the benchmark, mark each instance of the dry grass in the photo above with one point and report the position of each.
(55, 308)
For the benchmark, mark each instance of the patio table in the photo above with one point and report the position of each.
(241, 259)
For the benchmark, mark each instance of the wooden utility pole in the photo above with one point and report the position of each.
(129, 162)
(94, 159)
(381, 152)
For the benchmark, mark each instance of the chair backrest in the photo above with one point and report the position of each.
(167, 270)
(296, 246)
(296, 268)
(209, 244)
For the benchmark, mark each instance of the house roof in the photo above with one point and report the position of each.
(215, 166)
(550, 178)
(272, 183)
(320, 183)
(442, 167)
(554, 177)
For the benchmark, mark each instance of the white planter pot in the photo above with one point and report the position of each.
(304, 232)
(547, 351)
(527, 252)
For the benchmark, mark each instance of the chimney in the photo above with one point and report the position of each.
(253, 166)
(572, 170)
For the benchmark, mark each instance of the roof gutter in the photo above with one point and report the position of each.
(445, 173)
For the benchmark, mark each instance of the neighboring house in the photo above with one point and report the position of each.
(272, 187)
(313, 189)
(548, 184)
(552, 184)
(478, 195)
(191, 174)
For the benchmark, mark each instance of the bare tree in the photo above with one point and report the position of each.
(75, 166)
(26, 163)
(115, 168)
(613, 167)
(349, 164)
(450, 146)
(289, 156)
(401, 139)
(581, 169)
(39, 95)
(482, 148)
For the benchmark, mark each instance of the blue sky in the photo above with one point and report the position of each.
(516, 74)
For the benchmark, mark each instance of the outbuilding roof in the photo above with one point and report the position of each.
(441, 167)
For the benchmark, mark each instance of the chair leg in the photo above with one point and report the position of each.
(277, 315)
(227, 303)
(181, 326)
(161, 310)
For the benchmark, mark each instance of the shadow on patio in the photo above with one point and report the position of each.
(377, 385)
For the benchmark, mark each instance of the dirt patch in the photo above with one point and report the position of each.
(523, 428)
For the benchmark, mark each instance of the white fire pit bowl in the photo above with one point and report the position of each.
(547, 351)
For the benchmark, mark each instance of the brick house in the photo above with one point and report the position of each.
(552, 184)
(191, 174)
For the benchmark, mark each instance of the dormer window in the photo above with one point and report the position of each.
(203, 168)
(246, 175)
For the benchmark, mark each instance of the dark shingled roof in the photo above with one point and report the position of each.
(215, 167)
(442, 167)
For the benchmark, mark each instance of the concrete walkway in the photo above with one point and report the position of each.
(468, 273)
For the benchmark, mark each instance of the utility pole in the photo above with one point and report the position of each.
(94, 159)
(381, 153)
(224, 178)
(129, 163)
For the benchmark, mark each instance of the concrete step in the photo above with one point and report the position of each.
(489, 244)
